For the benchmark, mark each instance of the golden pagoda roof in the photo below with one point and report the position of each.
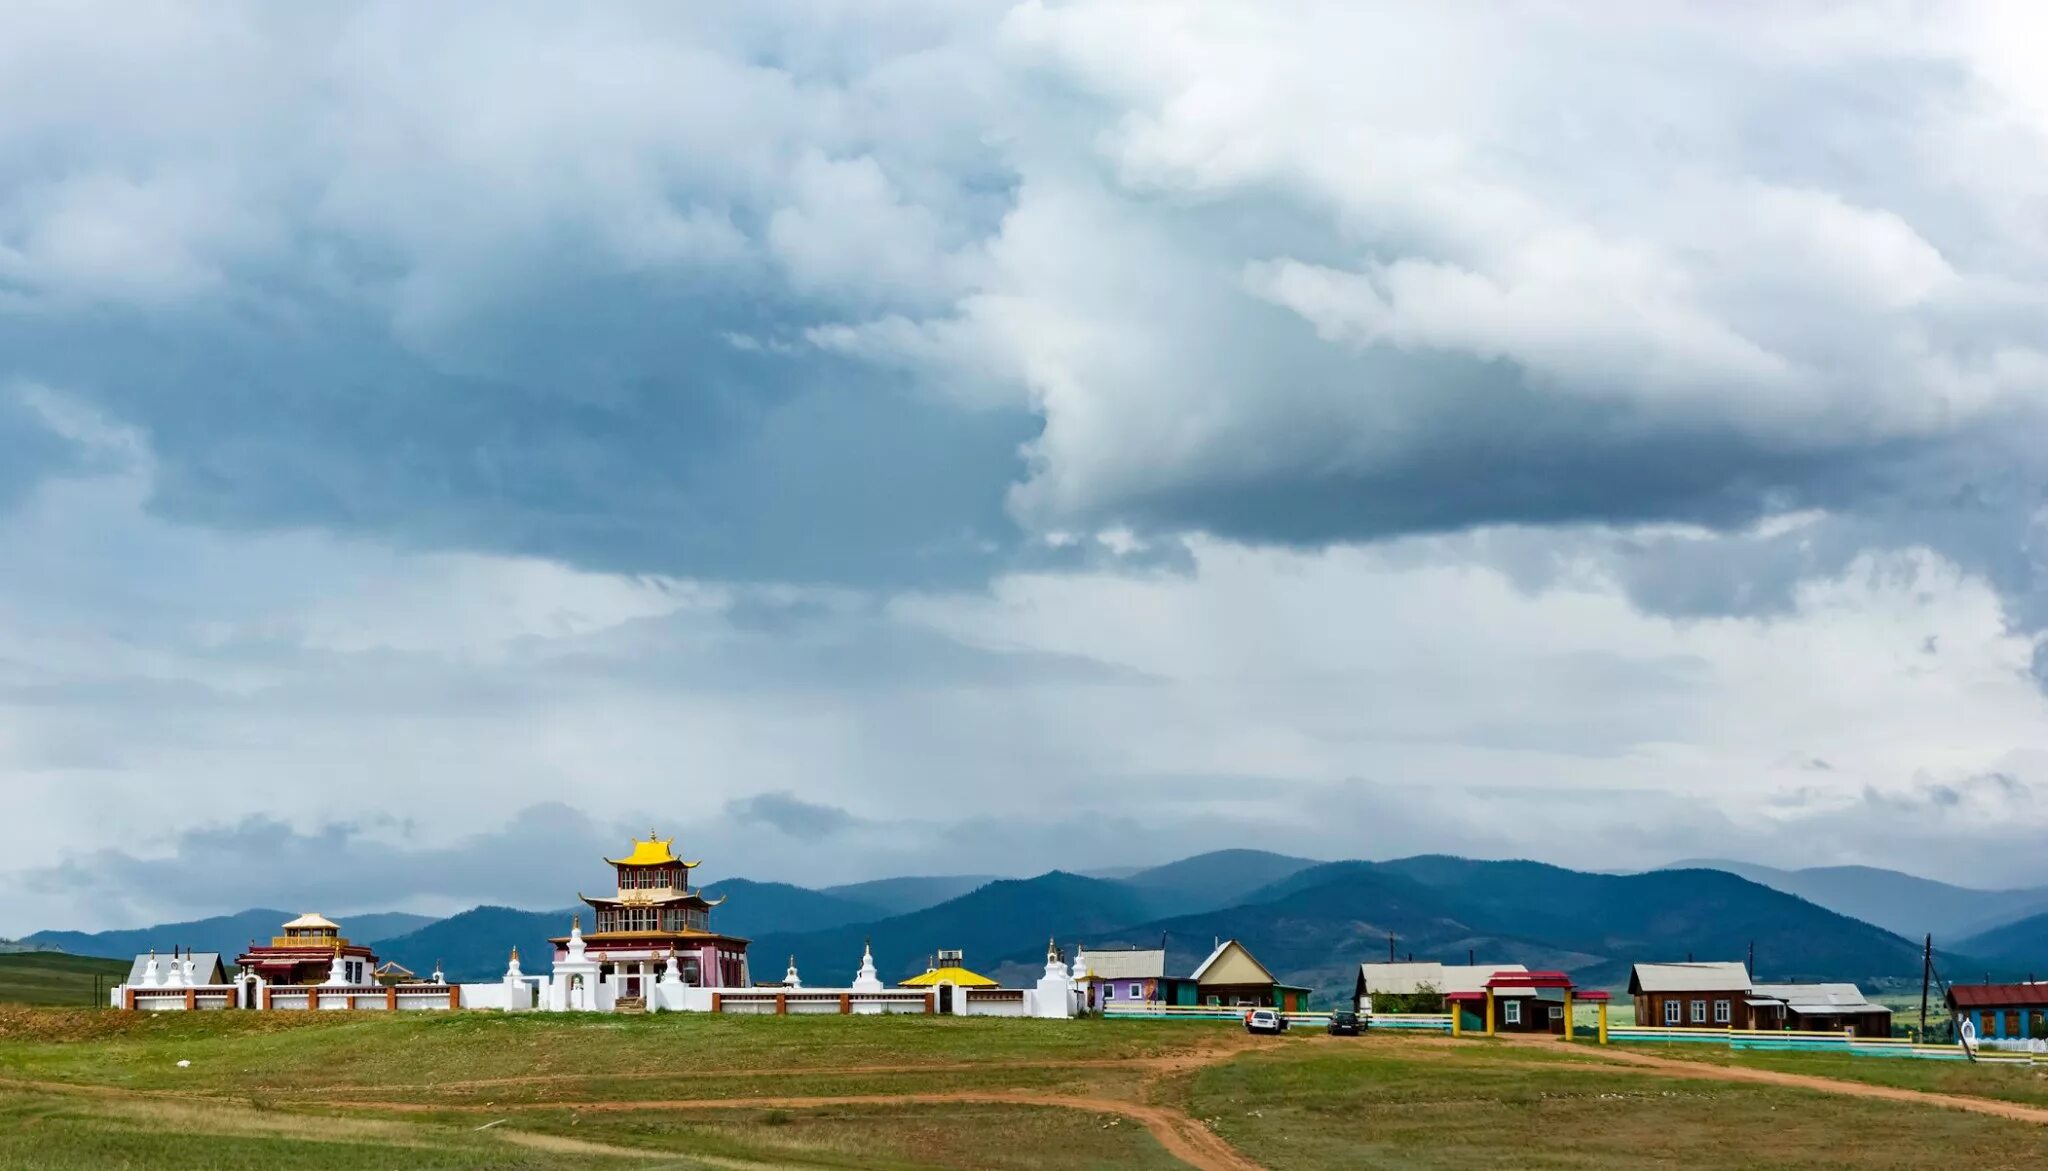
(959, 977)
(314, 920)
(652, 852)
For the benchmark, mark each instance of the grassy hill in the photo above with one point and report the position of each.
(245, 1091)
(49, 977)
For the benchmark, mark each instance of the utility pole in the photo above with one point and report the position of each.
(1751, 965)
(1926, 975)
(1471, 958)
(1390, 947)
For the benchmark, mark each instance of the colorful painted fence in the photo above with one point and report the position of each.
(1809, 1042)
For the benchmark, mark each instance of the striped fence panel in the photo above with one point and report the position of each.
(1796, 1041)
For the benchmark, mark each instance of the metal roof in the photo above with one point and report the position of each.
(204, 965)
(1813, 998)
(313, 920)
(1717, 976)
(2033, 995)
(1405, 979)
(1127, 964)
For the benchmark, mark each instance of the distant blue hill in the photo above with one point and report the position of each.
(900, 896)
(226, 934)
(1904, 903)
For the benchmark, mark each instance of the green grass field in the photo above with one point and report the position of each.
(50, 977)
(434, 1090)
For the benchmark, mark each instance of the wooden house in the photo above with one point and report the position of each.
(2002, 1012)
(1133, 976)
(1233, 976)
(1701, 996)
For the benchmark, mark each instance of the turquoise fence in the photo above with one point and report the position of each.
(1793, 1041)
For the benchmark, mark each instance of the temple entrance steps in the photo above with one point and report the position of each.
(630, 1004)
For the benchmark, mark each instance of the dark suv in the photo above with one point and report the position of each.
(1345, 1023)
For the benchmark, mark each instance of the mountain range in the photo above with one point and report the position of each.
(1311, 922)
(1904, 903)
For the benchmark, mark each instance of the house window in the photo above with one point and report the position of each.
(1137, 992)
(1699, 1012)
(1109, 992)
(1723, 1012)
(1215, 1002)
(1512, 1012)
(1557, 1012)
(1671, 1011)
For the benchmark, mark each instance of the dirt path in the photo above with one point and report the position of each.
(1675, 1067)
(1183, 1137)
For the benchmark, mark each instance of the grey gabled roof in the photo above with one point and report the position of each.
(1818, 999)
(205, 965)
(1717, 976)
(1127, 964)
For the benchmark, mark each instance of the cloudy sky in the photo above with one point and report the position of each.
(870, 438)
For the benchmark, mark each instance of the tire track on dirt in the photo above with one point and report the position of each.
(1182, 1137)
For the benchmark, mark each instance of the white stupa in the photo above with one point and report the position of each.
(152, 976)
(867, 980)
(790, 979)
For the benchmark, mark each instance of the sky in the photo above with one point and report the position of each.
(437, 441)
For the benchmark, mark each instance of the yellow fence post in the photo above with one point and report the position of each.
(1603, 1022)
(1567, 1014)
(1457, 1018)
(1489, 1012)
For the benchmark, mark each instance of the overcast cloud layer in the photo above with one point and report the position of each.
(877, 438)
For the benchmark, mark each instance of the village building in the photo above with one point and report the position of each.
(657, 921)
(2004, 1014)
(1232, 976)
(1134, 976)
(391, 972)
(311, 950)
(1419, 985)
(1522, 1001)
(1819, 1008)
(180, 969)
(947, 975)
(1714, 995)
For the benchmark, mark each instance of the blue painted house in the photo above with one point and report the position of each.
(2002, 1012)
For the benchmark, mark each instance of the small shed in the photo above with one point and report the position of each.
(1825, 1008)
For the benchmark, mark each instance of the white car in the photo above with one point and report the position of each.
(1265, 1020)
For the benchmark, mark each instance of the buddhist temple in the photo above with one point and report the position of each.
(311, 951)
(656, 918)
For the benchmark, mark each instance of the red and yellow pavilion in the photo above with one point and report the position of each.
(656, 916)
(307, 953)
